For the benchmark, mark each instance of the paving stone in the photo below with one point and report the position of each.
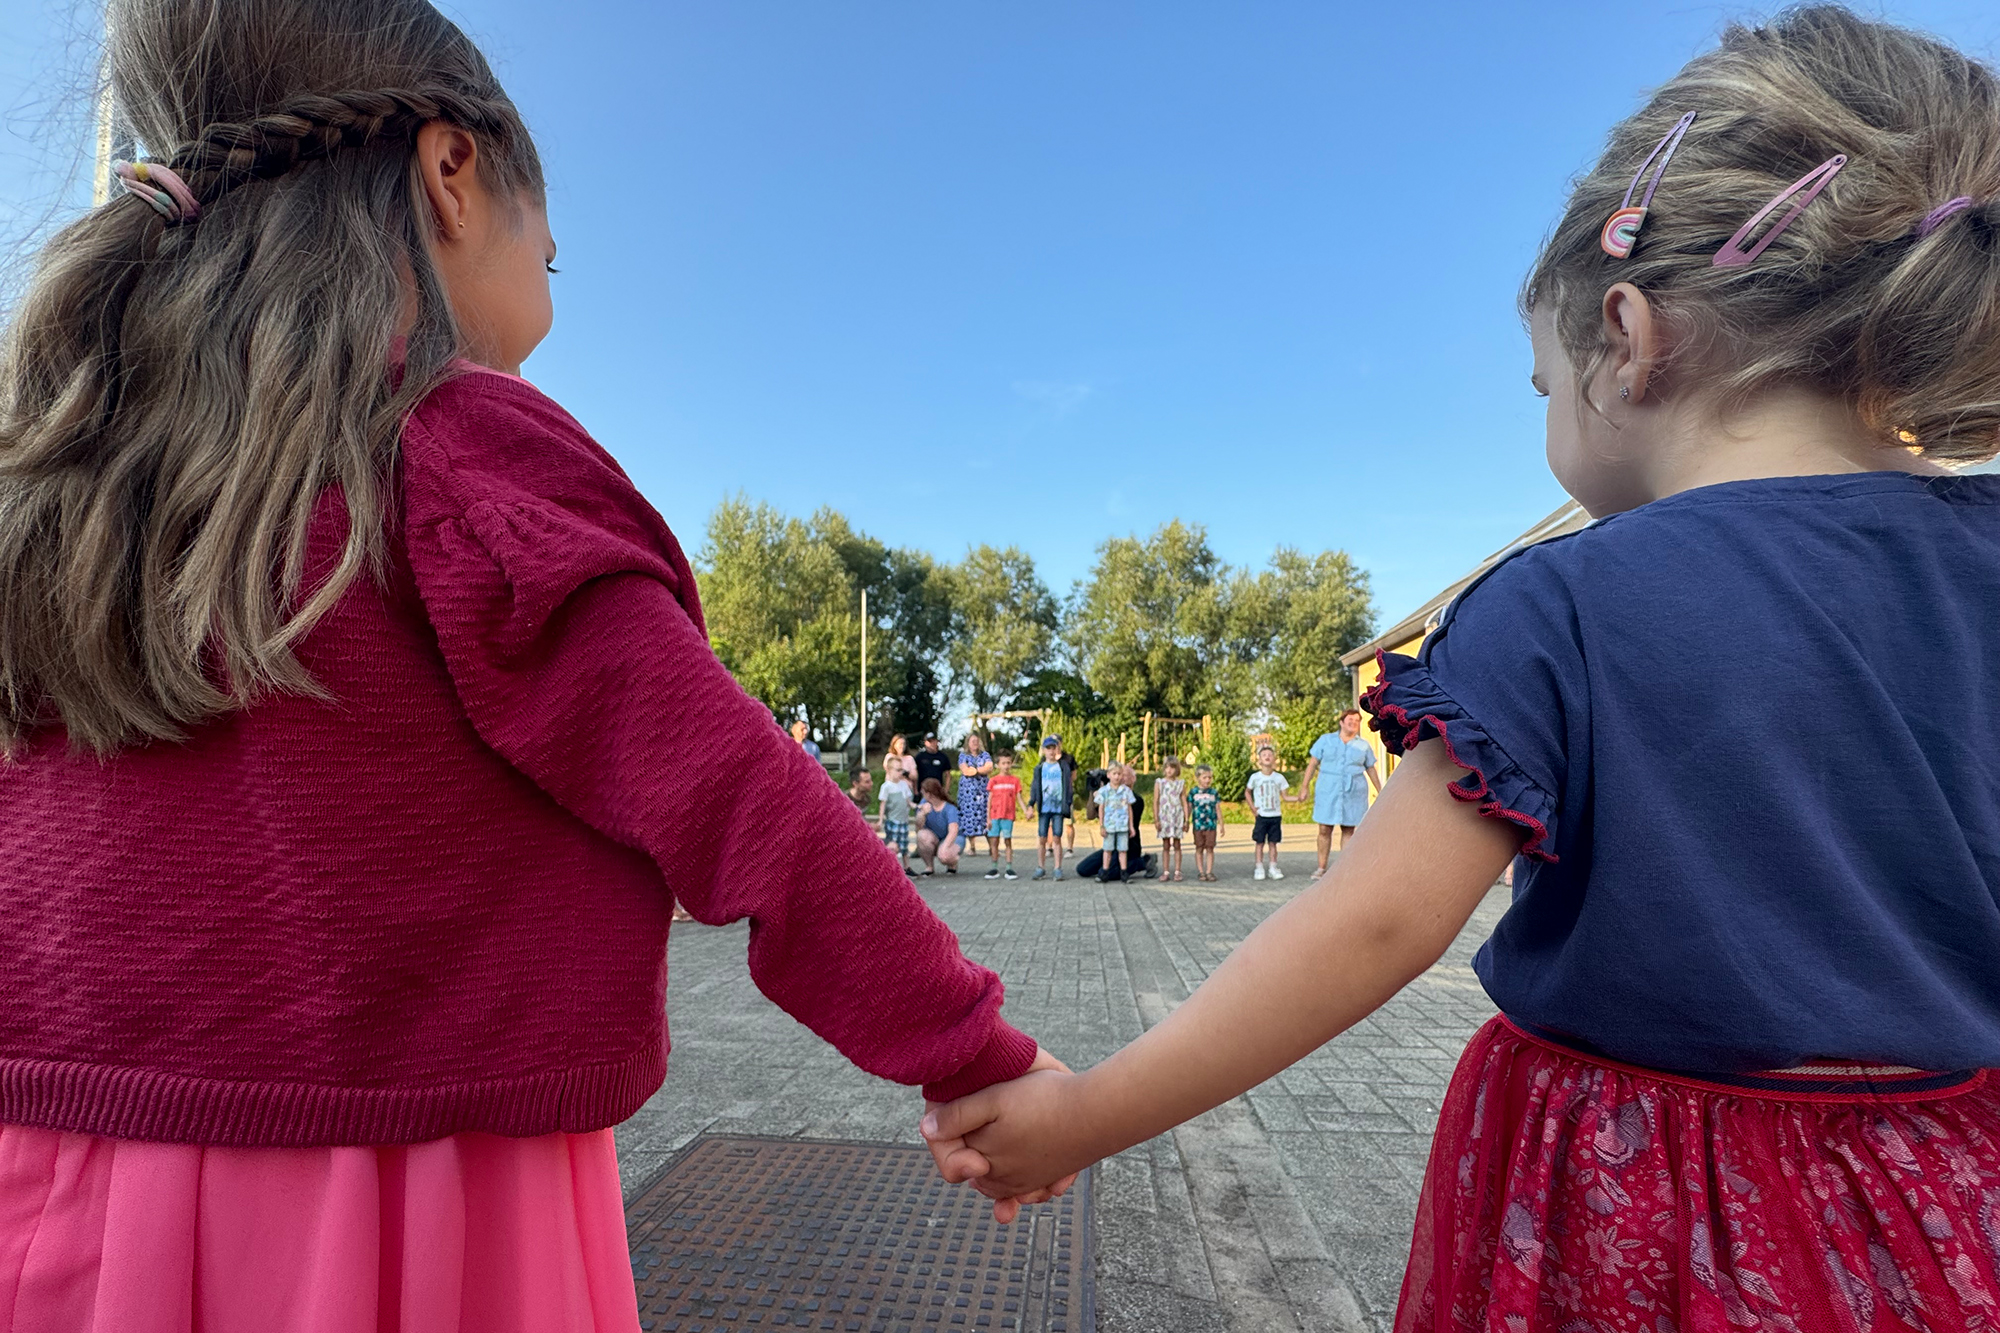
(1287, 1209)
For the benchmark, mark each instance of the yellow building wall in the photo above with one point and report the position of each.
(1365, 676)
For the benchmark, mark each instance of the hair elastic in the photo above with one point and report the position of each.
(1733, 255)
(1935, 218)
(160, 187)
(1621, 229)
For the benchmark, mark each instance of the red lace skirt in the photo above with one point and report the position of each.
(1568, 1194)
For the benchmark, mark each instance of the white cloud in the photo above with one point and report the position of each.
(1060, 397)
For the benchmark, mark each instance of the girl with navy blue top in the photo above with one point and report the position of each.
(1741, 1078)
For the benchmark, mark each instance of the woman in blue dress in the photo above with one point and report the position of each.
(974, 767)
(1344, 766)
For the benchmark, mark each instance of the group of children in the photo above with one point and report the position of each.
(991, 794)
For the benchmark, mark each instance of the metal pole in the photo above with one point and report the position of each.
(864, 680)
(100, 183)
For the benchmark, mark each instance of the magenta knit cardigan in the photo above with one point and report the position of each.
(437, 899)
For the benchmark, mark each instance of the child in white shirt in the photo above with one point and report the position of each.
(1114, 805)
(1266, 792)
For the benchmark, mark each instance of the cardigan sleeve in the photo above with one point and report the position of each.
(568, 618)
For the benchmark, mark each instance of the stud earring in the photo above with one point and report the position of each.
(1624, 391)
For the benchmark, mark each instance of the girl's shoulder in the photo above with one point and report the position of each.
(493, 472)
(484, 435)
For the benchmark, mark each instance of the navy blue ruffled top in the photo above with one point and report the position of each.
(1751, 735)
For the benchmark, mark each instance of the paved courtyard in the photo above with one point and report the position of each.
(1287, 1209)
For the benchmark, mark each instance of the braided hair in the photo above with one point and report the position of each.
(176, 400)
(311, 126)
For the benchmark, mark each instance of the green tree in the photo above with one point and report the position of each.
(1291, 622)
(1229, 756)
(1150, 625)
(1300, 722)
(1003, 621)
(910, 611)
(780, 606)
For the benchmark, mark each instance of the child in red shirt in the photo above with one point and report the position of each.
(1003, 793)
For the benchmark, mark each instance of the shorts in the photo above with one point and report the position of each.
(999, 828)
(1268, 828)
(1052, 821)
(897, 836)
(1204, 839)
(1115, 842)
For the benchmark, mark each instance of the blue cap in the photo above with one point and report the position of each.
(1052, 740)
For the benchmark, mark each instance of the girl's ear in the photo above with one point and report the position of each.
(448, 163)
(1633, 334)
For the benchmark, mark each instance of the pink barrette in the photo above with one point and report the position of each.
(160, 187)
(1934, 218)
(1733, 255)
(1621, 229)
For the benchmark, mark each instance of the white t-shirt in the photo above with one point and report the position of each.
(1267, 793)
(1117, 806)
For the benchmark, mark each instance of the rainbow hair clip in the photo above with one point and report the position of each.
(1621, 229)
(159, 186)
(1733, 255)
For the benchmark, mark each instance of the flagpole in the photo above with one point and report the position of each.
(100, 184)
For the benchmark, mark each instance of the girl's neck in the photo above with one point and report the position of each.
(1785, 433)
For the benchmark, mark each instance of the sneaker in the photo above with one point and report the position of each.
(1277, 873)
(1259, 874)
(994, 873)
(911, 873)
(1041, 872)
(1058, 872)
(1010, 873)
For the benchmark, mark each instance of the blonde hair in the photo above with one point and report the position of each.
(1850, 300)
(176, 400)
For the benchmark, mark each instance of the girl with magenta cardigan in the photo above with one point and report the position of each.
(358, 715)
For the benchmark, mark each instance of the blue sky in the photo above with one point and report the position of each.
(1043, 273)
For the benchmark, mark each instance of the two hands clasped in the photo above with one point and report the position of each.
(1015, 1142)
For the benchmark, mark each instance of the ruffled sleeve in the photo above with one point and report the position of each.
(1501, 684)
(568, 619)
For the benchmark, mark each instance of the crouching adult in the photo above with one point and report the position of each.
(937, 830)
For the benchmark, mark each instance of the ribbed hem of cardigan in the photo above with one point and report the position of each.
(1006, 1054)
(143, 1104)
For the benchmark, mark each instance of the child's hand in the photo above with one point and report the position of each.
(956, 1162)
(1026, 1132)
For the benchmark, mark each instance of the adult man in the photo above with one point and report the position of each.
(802, 734)
(931, 763)
(1340, 795)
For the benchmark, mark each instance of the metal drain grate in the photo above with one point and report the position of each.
(745, 1234)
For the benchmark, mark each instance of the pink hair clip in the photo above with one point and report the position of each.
(1733, 255)
(160, 187)
(1621, 229)
(1934, 218)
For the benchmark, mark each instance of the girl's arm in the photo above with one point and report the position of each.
(1391, 905)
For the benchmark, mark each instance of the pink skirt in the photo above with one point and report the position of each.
(1568, 1194)
(474, 1233)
